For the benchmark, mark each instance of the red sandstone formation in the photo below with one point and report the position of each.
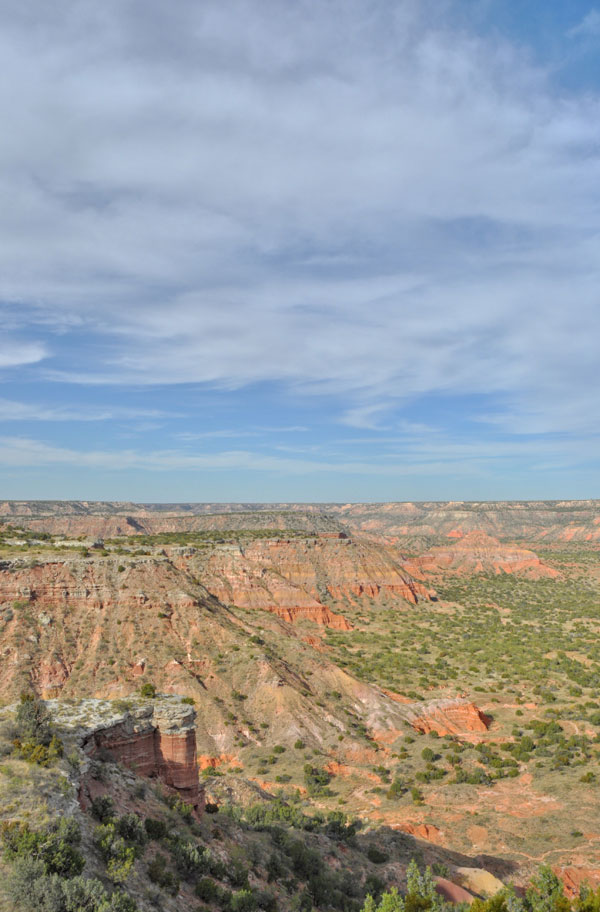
(291, 577)
(340, 769)
(156, 741)
(397, 698)
(449, 717)
(478, 552)
(451, 892)
(85, 584)
(206, 761)
(423, 831)
(573, 878)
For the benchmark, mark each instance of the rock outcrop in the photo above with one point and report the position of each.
(478, 552)
(427, 831)
(479, 881)
(574, 878)
(155, 739)
(448, 717)
(452, 892)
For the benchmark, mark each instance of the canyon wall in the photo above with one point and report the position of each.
(295, 577)
(155, 739)
(478, 552)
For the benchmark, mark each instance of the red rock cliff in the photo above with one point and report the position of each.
(478, 552)
(292, 577)
(156, 740)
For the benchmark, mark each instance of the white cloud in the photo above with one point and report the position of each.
(589, 27)
(25, 411)
(409, 458)
(332, 196)
(364, 416)
(14, 354)
(25, 452)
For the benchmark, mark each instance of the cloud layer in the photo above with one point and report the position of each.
(357, 200)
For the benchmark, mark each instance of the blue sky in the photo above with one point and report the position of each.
(312, 250)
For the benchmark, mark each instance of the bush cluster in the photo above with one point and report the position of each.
(35, 740)
(47, 870)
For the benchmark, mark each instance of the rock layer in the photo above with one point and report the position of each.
(478, 552)
(448, 717)
(295, 578)
(154, 740)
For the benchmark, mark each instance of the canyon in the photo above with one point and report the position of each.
(393, 646)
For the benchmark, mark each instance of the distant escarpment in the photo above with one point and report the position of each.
(548, 521)
(95, 521)
(567, 520)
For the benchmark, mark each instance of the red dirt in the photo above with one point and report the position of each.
(453, 719)
(452, 892)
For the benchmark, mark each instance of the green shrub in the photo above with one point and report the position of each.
(117, 855)
(35, 740)
(180, 806)
(131, 828)
(54, 846)
(31, 889)
(162, 876)
(316, 780)
(148, 690)
(190, 860)
(102, 808)
(156, 829)
(224, 899)
(376, 855)
(396, 789)
(243, 901)
(206, 889)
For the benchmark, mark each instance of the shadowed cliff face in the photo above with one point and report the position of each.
(167, 756)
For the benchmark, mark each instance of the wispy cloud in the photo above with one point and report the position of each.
(364, 416)
(237, 433)
(334, 198)
(589, 27)
(416, 458)
(31, 453)
(15, 354)
(24, 411)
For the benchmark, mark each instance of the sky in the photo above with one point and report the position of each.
(299, 250)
